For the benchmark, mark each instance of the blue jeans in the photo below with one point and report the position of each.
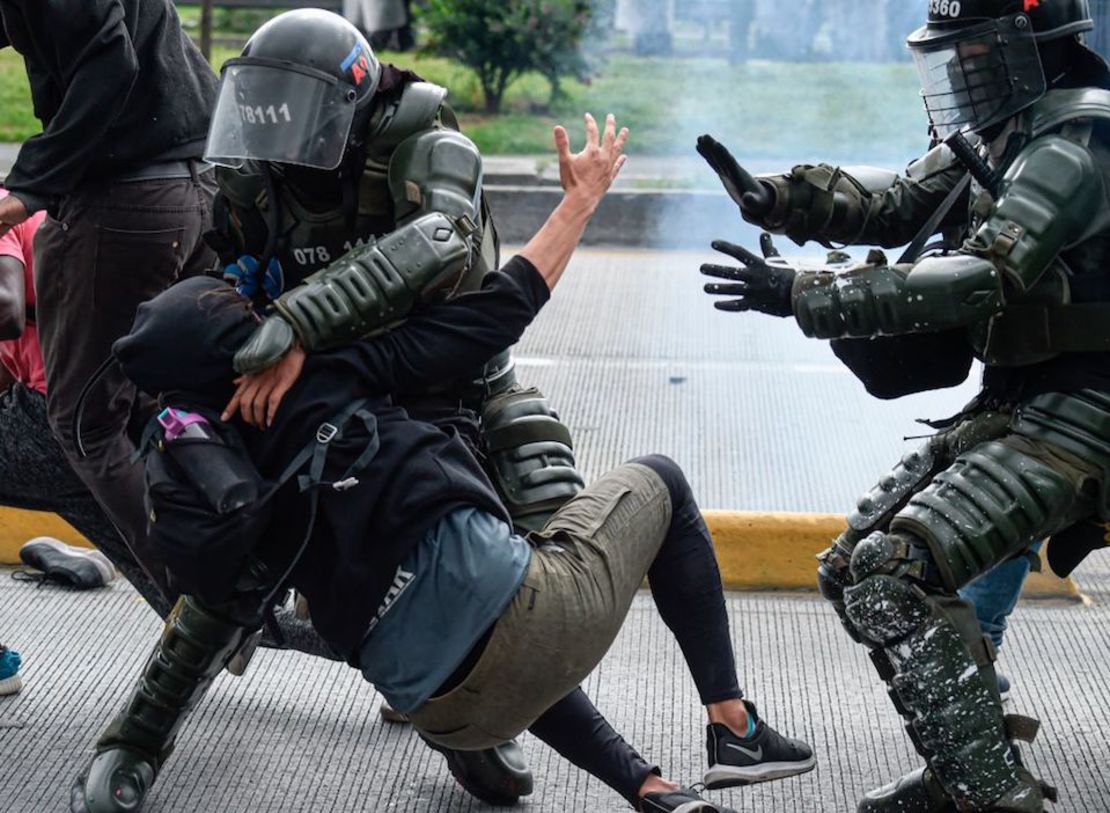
(996, 593)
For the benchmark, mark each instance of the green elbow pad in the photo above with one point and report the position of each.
(936, 294)
(377, 284)
(436, 171)
(858, 303)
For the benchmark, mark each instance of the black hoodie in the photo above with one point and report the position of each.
(185, 339)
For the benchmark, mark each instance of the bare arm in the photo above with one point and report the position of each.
(13, 299)
(585, 177)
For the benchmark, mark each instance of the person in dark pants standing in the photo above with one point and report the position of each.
(124, 98)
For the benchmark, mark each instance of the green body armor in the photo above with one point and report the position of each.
(1012, 283)
(415, 161)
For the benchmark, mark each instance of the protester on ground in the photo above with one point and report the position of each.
(291, 207)
(412, 567)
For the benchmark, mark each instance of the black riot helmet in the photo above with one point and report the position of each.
(294, 94)
(979, 60)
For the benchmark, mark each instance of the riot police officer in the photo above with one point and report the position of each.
(1015, 276)
(347, 196)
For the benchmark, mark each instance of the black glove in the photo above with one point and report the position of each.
(754, 197)
(759, 285)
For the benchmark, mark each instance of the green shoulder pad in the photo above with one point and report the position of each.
(414, 111)
(1051, 196)
(1059, 107)
(436, 171)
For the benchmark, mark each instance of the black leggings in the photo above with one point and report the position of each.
(686, 585)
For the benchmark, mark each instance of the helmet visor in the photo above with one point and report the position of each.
(977, 76)
(275, 111)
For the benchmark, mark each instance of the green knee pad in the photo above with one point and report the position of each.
(993, 502)
(531, 456)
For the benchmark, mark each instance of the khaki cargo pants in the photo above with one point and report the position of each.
(588, 563)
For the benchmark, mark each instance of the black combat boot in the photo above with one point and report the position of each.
(195, 646)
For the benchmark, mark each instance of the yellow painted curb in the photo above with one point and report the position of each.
(756, 551)
(775, 551)
(17, 526)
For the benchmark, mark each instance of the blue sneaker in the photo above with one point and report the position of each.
(10, 682)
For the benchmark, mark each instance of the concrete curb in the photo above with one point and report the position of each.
(757, 551)
(776, 551)
(18, 526)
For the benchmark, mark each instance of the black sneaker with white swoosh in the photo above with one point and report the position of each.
(762, 757)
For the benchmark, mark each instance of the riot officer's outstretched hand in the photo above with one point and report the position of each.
(754, 198)
(756, 285)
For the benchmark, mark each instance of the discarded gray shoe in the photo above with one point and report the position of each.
(80, 568)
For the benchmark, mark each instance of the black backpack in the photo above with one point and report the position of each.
(208, 506)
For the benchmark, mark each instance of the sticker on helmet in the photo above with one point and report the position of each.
(357, 63)
(346, 64)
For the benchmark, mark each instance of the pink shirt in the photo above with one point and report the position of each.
(23, 356)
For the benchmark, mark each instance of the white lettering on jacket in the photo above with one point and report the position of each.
(401, 581)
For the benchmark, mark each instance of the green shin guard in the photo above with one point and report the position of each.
(921, 792)
(193, 649)
(948, 694)
(833, 578)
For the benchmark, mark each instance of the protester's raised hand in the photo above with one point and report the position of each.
(756, 285)
(259, 395)
(587, 175)
(754, 198)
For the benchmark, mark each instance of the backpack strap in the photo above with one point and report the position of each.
(315, 454)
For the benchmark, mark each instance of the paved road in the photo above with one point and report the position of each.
(637, 361)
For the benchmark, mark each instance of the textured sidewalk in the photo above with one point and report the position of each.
(297, 734)
(637, 361)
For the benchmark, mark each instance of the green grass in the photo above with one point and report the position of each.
(17, 122)
(841, 111)
(838, 111)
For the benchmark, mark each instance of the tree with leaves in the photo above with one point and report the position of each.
(501, 40)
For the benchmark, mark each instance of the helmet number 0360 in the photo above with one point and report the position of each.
(945, 8)
(265, 115)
